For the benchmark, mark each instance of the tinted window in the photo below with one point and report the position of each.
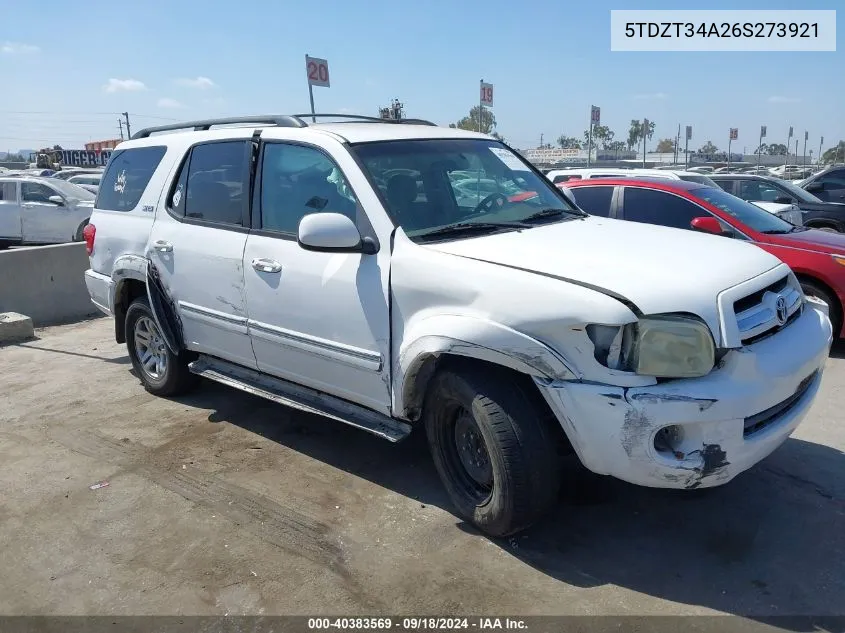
(834, 179)
(297, 181)
(7, 192)
(594, 200)
(215, 183)
(127, 175)
(727, 185)
(36, 192)
(659, 207)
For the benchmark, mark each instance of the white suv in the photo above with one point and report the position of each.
(331, 268)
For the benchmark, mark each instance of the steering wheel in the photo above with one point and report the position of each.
(492, 201)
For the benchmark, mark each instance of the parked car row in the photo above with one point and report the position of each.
(816, 257)
(36, 210)
(402, 277)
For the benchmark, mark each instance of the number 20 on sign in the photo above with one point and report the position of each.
(317, 71)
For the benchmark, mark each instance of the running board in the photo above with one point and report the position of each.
(299, 397)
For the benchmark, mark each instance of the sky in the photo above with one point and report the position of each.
(68, 69)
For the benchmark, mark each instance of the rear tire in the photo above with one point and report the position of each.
(162, 372)
(493, 448)
(813, 289)
(78, 237)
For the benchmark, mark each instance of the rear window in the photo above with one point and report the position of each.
(127, 175)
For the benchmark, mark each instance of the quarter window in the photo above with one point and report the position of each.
(297, 181)
(7, 192)
(127, 176)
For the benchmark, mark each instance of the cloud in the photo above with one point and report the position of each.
(651, 96)
(124, 85)
(166, 102)
(780, 99)
(200, 83)
(14, 48)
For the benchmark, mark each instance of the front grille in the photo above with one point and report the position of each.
(757, 314)
(760, 421)
(754, 299)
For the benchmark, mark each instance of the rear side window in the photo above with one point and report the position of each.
(7, 192)
(594, 200)
(213, 187)
(126, 177)
(659, 207)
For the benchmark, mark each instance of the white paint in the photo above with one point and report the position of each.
(342, 322)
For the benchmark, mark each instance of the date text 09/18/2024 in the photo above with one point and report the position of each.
(415, 623)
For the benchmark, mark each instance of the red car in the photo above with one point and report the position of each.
(816, 257)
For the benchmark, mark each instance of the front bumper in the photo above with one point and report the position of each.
(724, 422)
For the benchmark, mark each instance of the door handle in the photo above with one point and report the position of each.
(264, 265)
(163, 247)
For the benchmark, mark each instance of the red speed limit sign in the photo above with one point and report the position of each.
(317, 71)
(486, 94)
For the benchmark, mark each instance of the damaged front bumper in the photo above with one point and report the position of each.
(698, 432)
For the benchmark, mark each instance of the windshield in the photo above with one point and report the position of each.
(752, 216)
(703, 180)
(70, 190)
(798, 192)
(428, 184)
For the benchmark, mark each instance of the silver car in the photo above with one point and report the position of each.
(42, 210)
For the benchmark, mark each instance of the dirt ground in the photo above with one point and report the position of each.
(223, 503)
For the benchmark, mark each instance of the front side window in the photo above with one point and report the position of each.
(36, 192)
(296, 181)
(215, 183)
(127, 176)
(660, 207)
(431, 184)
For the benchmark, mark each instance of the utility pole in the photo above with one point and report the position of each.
(120, 123)
(128, 130)
(645, 136)
(821, 142)
(806, 135)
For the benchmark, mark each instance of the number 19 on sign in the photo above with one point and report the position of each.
(486, 94)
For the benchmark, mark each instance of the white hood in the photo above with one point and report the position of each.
(656, 268)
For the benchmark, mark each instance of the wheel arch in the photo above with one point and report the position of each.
(802, 275)
(450, 338)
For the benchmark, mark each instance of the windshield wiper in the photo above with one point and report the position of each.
(777, 231)
(544, 214)
(472, 227)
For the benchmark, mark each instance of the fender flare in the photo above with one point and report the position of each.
(470, 337)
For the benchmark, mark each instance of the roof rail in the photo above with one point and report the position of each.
(360, 117)
(280, 120)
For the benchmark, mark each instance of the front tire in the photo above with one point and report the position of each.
(812, 289)
(162, 372)
(493, 448)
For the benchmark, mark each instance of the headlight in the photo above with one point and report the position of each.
(660, 346)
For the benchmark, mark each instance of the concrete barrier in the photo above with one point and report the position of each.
(46, 283)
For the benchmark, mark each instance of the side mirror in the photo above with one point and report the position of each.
(783, 200)
(815, 187)
(707, 224)
(333, 232)
(57, 200)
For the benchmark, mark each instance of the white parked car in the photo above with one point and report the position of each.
(789, 212)
(91, 182)
(42, 210)
(328, 267)
(558, 176)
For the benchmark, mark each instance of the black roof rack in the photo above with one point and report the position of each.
(277, 120)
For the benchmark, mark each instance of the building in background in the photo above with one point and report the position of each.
(101, 145)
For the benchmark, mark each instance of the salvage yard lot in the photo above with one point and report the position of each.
(220, 502)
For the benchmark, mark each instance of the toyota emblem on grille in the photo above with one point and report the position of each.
(780, 308)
